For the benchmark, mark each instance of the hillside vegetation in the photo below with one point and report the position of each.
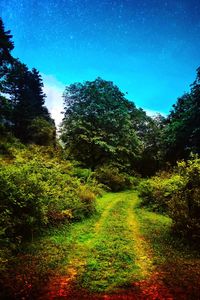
(109, 204)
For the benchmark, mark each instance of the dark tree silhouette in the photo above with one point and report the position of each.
(27, 99)
(6, 46)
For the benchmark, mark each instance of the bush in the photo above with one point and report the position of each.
(177, 194)
(83, 174)
(37, 190)
(157, 191)
(42, 132)
(23, 201)
(184, 206)
(111, 177)
(8, 145)
(87, 197)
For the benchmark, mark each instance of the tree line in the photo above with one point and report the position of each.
(22, 100)
(100, 126)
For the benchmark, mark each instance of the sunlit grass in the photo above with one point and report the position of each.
(105, 251)
(119, 245)
(111, 260)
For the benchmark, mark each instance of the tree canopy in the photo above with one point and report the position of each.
(97, 126)
(182, 131)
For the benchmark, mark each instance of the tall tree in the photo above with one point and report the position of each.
(6, 46)
(16, 85)
(195, 118)
(27, 98)
(182, 131)
(149, 132)
(24, 112)
(38, 96)
(97, 126)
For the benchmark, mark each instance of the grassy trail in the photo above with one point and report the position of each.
(122, 252)
(116, 254)
(108, 252)
(126, 253)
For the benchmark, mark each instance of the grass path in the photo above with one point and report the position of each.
(116, 254)
(108, 252)
(122, 252)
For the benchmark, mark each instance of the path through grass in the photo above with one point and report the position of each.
(122, 249)
(107, 252)
(117, 254)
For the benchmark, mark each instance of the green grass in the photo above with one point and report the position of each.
(111, 257)
(115, 247)
(104, 252)
(156, 229)
(176, 264)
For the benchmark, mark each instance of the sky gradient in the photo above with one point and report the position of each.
(150, 49)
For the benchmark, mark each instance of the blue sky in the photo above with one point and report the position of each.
(150, 49)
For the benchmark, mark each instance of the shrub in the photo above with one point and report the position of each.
(8, 145)
(111, 177)
(83, 174)
(87, 197)
(42, 132)
(177, 194)
(38, 189)
(87, 177)
(184, 206)
(157, 191)
(23, 201)
(57, 217)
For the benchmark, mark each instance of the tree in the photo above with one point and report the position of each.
(181, 133)
(195, 119)
(6, 46)
(16, 85)
(38, 96)
(27, 98)
(5, 115)
(97, 126)
(42, 132)
(149, 132)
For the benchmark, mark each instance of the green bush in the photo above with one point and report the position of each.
(87, 197)
(158, 190)
(184, 206)
(41, 132)
(178, 195)
(8, 145)
(111, 177)
(23, 201)
(87, 177)
(83, 174)
(38, 189)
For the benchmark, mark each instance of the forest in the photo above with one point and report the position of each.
(106, 205)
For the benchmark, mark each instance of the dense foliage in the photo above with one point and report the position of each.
(101, 126)
(111, 177)
(97, 126)
(39, 188)
(177, 194)
(182, 131)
